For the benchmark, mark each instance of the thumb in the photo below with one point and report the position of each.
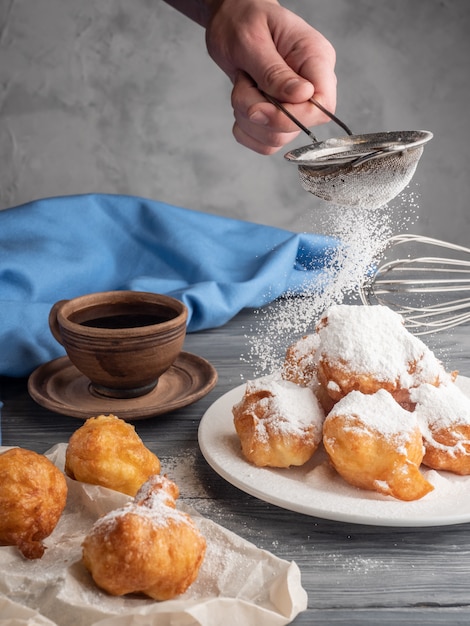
(288, 86)
(278, 79)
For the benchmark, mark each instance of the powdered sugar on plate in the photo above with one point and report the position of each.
(316, 489)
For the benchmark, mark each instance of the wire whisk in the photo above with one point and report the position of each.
(432, 293)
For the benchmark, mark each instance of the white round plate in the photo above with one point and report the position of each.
(315, 489)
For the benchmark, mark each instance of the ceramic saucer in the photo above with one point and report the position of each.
(60, 387)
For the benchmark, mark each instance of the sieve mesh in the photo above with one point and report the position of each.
(359, 170)
(370, 185)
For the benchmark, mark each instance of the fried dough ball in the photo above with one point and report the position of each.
(375, 444)
(107, 451)
(443, 414)
(279, 423)
(300, 366)
(147, 546)
(33, 494)
(367, 348)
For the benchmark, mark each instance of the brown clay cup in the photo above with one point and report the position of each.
(123, 341)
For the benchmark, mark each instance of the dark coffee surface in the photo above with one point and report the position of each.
(134, 320)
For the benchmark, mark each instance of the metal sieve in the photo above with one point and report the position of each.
(357, 170)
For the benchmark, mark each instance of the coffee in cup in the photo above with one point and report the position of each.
(123, 341)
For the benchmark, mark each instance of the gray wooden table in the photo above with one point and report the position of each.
(354, 574)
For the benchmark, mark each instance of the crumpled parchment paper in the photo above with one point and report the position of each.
(238, 583)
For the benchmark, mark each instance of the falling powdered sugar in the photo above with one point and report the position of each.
(361, 236)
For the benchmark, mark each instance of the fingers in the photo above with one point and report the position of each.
(259, 43)
(304, 70)
(263, 143)
(260, 125)
(318, 65)
(274, 75)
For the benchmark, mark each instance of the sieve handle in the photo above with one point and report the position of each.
(299, 123)
(332, 116)
(290, 116)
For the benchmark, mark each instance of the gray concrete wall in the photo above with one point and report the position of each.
(120, 96)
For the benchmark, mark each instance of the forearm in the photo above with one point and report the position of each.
(200, 11)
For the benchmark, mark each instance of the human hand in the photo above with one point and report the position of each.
(260, 44)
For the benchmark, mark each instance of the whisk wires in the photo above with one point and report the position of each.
(432, 293)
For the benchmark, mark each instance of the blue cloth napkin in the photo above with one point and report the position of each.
(64, 247)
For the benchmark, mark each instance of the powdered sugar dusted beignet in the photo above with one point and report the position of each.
(375, 444)
(300, 364)
(367, 348)
(300, 367)
(147, 547)
(278, 422)
(443, 415)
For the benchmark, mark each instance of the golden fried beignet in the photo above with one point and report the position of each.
(279, 423)
(33, 494)
(147, 546)
(300, 366)
(443, 415)
(375, 444)
(107, 451)
(367, 348)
